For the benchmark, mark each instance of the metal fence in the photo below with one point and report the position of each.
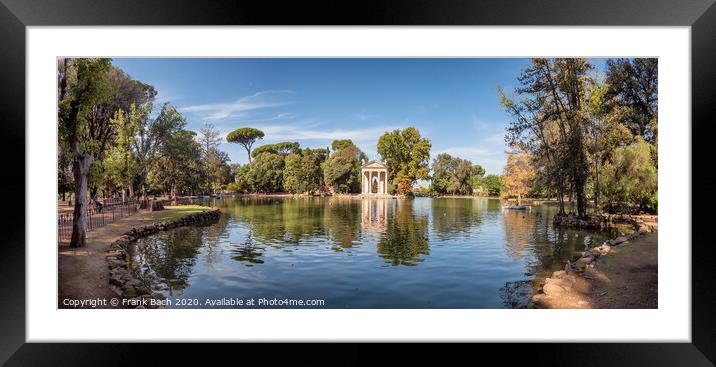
(97, 216)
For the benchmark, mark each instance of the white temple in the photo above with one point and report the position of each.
(374, 178)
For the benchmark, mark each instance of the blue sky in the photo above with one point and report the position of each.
(453, 102)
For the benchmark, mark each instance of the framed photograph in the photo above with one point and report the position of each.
(403, 172)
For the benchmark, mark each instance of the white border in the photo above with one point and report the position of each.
(671, 322)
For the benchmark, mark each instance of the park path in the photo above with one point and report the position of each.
(83, 273)
(627, 277)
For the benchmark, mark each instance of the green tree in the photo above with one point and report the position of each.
(633, 84)
(218, 171)
(629, 181)
(453, 175)
(303, 172)
(151, 135)
(407, 155)
(245, 136)
(82, 85)
(265, 173)
(341, 172)
(179, 166)
(491, 184)
(241, 179)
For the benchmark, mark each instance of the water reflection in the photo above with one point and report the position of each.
(466, 253)
(405, 237)
(168, 258)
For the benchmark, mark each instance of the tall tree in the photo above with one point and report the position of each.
(82, 85)
(407, 155)
(151, 136)
(550, 122)
(209, 139)
(245, 136)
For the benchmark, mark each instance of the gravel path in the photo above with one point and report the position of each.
(83, 273)
(627, 277)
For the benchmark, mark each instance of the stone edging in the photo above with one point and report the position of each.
(563, 280)
(121, 280)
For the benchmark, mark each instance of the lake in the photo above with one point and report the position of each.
(362, 253)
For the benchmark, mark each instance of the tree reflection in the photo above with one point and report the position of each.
(247, 251)
(168, 257)
(519, 227)
(406, 236)
(342, 221)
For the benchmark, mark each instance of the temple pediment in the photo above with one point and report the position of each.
(375, 165)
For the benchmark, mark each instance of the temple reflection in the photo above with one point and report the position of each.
(374, 215)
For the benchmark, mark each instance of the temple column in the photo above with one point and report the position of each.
(365, 182)
(382, 183)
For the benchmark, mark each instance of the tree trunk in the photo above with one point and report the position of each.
(560, 198)
(581, 204)
(80, 169)
(596, 186)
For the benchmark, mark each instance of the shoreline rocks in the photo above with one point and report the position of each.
(602, 221)
(121, 280)
(562, 281)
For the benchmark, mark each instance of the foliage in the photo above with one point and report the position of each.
(265, 173)
(303, 172)
(152, 135)
(630, 181)
(454, 175)
(490, 185)
(245, 136)
(217, 167)
(632, 84)
(283, 148)
(179, 168)
(518, 175)
(341, 172)
(407, 155)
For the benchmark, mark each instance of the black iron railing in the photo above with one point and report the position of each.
(97, 216)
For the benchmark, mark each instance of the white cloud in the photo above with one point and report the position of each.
(219, 111)
(314, 132)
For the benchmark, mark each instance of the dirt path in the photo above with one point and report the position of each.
(627, 277)
(83, 273)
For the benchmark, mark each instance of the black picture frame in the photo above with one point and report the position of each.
(16, 15)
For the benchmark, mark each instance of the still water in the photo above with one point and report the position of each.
(370, 253)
